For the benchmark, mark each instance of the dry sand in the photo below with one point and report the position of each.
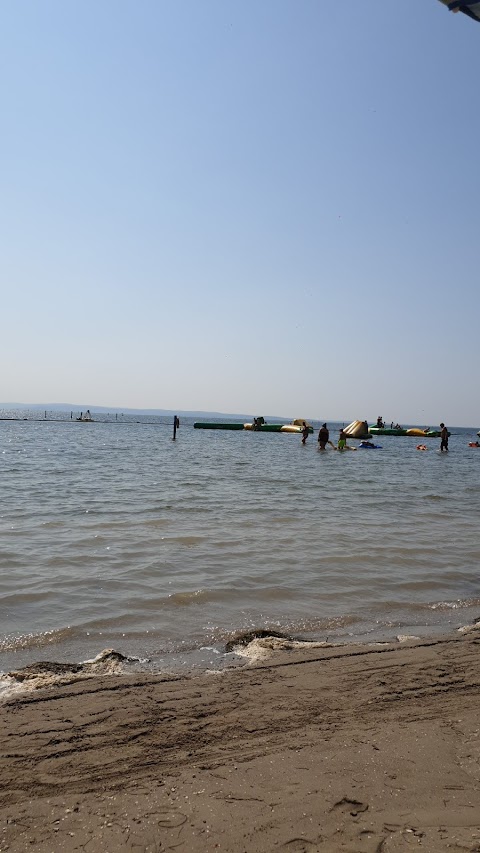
(361, 749)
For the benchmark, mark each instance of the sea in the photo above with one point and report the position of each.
(115, 536)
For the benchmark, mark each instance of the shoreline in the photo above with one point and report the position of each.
(52, 665)
(344, 747)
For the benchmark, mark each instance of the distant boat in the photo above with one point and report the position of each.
(85, 418)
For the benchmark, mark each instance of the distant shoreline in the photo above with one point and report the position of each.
(117, 410)
(83, 421)
(98, 416)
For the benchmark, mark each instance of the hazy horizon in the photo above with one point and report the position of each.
(76, 407)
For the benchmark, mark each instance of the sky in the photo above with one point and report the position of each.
(265, 206)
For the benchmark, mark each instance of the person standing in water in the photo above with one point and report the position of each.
(305, 432)
(324, 437)
(443, 438)
(342, 440)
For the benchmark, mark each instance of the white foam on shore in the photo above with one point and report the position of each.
(264, 647)
(406, 638)
(9, 687)
(44, 675)
(467, 629)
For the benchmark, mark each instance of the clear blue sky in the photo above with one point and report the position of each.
(256, 206)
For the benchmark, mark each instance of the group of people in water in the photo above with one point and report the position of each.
(324, 438)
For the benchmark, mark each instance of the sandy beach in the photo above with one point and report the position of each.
(368, 749)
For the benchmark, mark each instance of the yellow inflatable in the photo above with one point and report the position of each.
(296, 426)
(357, 429)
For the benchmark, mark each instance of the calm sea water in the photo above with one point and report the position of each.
(113, 535)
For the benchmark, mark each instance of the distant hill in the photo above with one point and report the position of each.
(76, 407)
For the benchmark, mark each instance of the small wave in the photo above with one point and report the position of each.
(110, 525)
(467, 629)
(284, 519)
(454, 605)
(328, 623)
(15, 642)
(186, 540)
(184, 599)
(207, 596)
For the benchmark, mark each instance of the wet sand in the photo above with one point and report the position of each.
(361, 749)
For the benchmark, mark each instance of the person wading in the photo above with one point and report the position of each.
(324, 437)
(443, 438)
